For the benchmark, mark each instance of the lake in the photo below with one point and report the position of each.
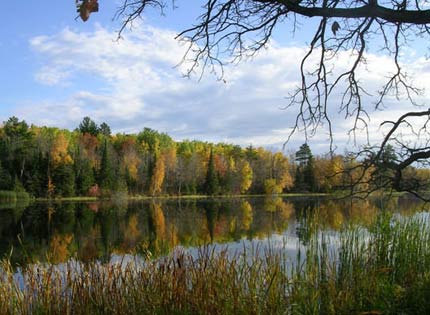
(88, 231)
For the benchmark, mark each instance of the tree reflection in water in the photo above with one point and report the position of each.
(56, 232)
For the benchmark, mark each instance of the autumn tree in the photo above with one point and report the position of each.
(156, 165)
(328, 172)
(281, 171)
(246, 176)
(261, 164)
(170, 162)
(62, 171)
(86, 161)
(129, 159)
(228, 31)
(157, 177)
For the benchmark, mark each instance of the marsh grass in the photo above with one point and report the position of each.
(384, 269)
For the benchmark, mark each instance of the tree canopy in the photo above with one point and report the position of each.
(227, 31)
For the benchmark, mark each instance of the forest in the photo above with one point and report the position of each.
(48, 162)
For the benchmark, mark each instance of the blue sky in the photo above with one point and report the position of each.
(56, 70)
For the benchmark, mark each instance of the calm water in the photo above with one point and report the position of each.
(56, 232)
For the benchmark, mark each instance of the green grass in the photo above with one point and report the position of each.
(168, 197)
(77, 198)
(384, 269)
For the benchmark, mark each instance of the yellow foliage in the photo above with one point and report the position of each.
(169, 156)
(281, 167)
(59, 151)
(159, 221)
(246, 175)
(58, 248)
(131, 163)
(131, 233)
(286, 209)
(271, 187)
(51, 187)
(157, 178)
(247, 215)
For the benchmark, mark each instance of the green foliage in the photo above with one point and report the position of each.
(104, 129)
(154, 139)
(380, 270)
(211, 182)
(63, 177)
(32, 158)
(305, 171)
(271, 187)
(5, 178)
(107, 172)
(17, 145)
(84, 177)
(88, 126)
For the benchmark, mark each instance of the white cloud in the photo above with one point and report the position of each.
(133, 83)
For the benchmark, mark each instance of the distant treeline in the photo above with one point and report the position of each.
(90, 161)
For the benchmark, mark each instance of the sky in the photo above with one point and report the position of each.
(57, 70)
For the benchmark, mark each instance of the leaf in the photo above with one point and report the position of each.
(335, 27)
(86, 8)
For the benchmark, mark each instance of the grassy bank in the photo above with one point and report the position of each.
(168, 197)
(381, 270)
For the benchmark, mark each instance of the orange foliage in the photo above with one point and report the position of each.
(157, 178)
(169, 156)
(131, 233)
(221, 165)
(58, 248)
(159, 221)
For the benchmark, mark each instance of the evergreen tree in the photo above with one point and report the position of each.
(211, 186)
(36, 183)
(305, 172)
(104, 129)
(63, 177)
(88, 126)
(106, 174)
(84, 177)
(5, 179)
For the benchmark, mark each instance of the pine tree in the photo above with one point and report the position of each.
(5, 179)
(104, 129)
(84, 177)
(211, 182)
(106, 174)
(305, 172)
(63, 177)
(88, 126)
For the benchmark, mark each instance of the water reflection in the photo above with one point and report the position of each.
(56, 232)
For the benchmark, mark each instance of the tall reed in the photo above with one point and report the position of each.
(384, 269)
